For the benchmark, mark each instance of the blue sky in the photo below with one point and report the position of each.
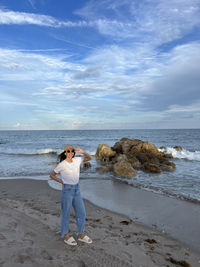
(99, 64)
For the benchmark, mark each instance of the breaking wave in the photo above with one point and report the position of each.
(31, 152)
(183, 154)
(26, 151)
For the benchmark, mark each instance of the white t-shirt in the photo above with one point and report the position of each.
(69, 172)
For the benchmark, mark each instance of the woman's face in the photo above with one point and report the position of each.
(69, 153)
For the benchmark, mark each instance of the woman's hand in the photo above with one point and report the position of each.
(53, 176)
(87, 157)
(79, 150)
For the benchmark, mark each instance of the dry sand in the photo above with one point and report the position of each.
(29, 234)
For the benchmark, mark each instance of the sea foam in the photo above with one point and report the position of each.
(26, 151)
(183, 154)
(31, 151)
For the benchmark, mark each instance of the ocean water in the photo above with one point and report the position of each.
(33, 154)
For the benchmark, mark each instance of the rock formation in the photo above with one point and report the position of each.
(104, 152)
(127, 155)
(178, 148)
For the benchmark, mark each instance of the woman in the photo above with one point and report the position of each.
(69, 169)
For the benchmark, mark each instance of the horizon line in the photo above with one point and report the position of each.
(1, 130)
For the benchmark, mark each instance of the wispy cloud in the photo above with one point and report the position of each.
(145, 69)
(136, 77)
(32, 3)
(150, 21)
(193, 108)
(12, 17)
(17, 65)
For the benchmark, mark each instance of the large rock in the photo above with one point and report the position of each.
(104, 169)
(144, 157)
(121, 157)
(132, 160)
(124, 169)
(132, 147)
(117, 147)
(125, 145)
(145, 147)
(168, 155)
(130, 154)
(165, 167)
(104, 152)
(135, 163)
(151, 167)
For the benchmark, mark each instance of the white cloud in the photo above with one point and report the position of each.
(13, 17)
(13, 65)
(193, 108)
(148, 21)
(151, 21)
(142, 79)
(16, 65)
(179, 78)
(131, 78)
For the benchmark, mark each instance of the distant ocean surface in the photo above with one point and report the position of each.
(31, 154)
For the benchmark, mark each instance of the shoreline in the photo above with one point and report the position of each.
(177, 218)
(134, 214)
(30, 219)
(154, 190)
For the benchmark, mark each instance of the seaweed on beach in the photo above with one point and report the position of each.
(180, 263)
(126, 222)
(151, 241)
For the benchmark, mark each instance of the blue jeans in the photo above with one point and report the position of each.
(71, 196)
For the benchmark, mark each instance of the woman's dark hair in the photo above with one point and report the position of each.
(62, 156)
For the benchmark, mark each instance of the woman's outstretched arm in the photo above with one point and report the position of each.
(87, 156)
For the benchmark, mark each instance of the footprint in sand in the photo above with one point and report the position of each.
(46, 255)
(28, 242)
(30, 234)
(23, 258)
(2, 237)
(77, 263)
(12, 224)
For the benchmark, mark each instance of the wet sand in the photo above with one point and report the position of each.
(178, 218)
(29, 234)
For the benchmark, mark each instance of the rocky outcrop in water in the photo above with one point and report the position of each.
(178, 148)
(128, 155)
(104, 152)
(124, 168)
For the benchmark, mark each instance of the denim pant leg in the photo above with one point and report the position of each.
(79, 209)
(66, 204)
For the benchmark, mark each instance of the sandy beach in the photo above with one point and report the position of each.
(29, 234)
(176, 217)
